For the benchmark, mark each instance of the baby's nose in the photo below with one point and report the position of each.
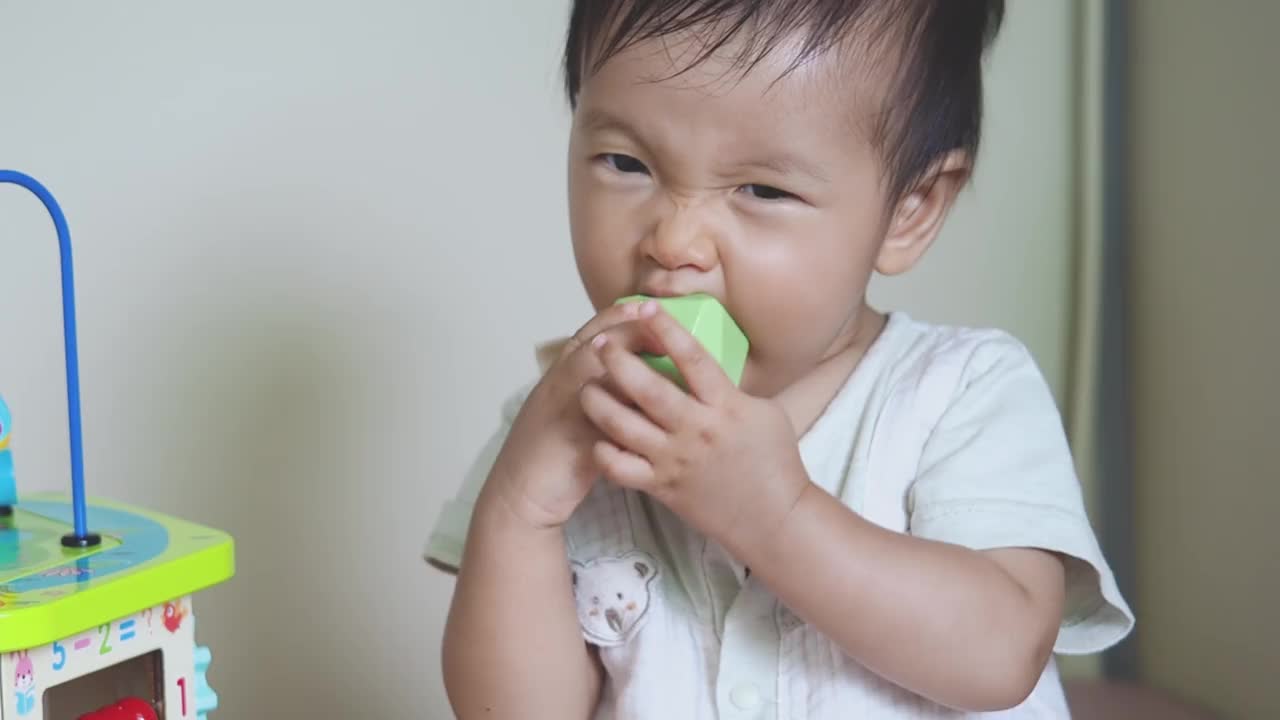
(684, 238)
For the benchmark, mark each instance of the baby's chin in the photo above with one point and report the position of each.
(760, 381)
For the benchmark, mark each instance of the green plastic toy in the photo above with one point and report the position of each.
(707, 320)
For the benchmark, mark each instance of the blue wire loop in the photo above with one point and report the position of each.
(69, 340)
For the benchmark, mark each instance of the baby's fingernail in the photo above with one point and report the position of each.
(631, 309)
(649, 308)
(598, 341)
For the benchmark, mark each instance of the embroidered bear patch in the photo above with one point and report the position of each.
(613, 595)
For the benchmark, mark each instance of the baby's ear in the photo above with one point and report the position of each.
(642, 569)
(920, 213)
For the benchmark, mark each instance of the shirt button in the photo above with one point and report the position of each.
(746, 697)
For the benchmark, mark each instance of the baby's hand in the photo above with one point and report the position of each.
(545, 467)
(726, 462)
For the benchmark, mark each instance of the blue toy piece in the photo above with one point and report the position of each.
(8, 482)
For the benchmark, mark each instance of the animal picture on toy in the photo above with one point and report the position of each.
(24, 682)
(173, 614)
(96, 619)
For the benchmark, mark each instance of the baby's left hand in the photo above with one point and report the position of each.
(726, 462)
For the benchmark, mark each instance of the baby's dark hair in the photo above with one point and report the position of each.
(934, 105)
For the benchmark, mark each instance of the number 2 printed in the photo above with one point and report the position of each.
(105, 632)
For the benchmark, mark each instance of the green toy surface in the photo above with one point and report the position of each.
(48, 592)
(707, 320)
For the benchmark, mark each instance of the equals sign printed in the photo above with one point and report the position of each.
(126, 630)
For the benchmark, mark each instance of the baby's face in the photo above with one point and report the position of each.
(766, 193)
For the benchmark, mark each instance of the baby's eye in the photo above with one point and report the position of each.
(766, 192)
(619, 596)
(624, 163)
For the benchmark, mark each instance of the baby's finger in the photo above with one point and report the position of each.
(626, 427)
(638, 383)
(583, 363)
(622, 468)
(603, 320)
(704, 376)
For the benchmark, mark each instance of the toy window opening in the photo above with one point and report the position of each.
(141, 677)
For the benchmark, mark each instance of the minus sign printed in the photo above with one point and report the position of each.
(83, 643)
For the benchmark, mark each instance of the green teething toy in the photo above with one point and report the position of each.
(707, 320)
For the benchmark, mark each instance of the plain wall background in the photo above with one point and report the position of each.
(1205, 255)
(315, 245)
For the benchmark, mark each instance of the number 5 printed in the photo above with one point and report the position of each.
(60, 653)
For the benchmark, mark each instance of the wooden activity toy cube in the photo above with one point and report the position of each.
(97, 625)
(81, 629)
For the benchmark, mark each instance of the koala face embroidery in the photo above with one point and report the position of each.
(613, 595)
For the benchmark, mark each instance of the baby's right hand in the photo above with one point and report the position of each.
(545, 468)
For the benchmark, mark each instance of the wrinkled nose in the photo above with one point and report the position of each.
(683, 238)
(612, 617)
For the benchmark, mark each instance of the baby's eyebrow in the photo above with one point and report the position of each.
(784, 165)
(597, 120)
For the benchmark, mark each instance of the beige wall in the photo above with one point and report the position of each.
(315, 244)
(1205, 259)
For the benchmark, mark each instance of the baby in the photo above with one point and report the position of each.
(881, 520)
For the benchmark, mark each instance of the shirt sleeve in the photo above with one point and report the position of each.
(997, 472)
(448, 535)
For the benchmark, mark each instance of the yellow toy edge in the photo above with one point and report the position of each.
(189, 573)
(76, 613)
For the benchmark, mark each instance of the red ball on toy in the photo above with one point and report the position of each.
(127, 709)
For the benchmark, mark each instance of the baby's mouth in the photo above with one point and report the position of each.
(612, 617)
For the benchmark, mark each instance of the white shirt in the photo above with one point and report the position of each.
(944, 433)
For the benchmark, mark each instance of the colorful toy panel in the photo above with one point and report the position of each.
(153, 655)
